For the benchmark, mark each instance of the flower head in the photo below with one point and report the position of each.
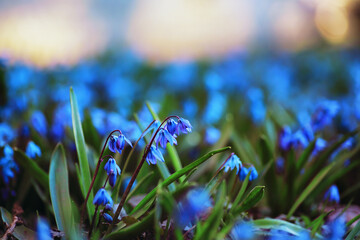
(324, 114)
(7, 164)
(285, 138)
(336, 229)
(107, 217)
(171, 126)
(33, 150)
(117, 143)
(112, 169)
(102, 198)
(154, 155)
(196, 203)
(184, 126)
(163, 137)
(243, 173)
(6, 134)
(39, 122)
(332, 194)
(253, 174)
(233, 162)
(243, 231)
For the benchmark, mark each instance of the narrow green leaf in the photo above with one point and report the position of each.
(81, 152)
(304, 157)
(314, 183)
(354, 232)
(251, 200)
(241, 192)
(30, 165)
(177, 175)
(59, 191)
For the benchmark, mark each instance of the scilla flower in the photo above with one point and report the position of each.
(102, 198)
(43, 230)
(107, 217)
(171, 126)
(154, 155)
(332, 194)
(163, 137)
(112, 170)
(117, 143)
(33, 150)
(243, 231)
(253, 174)
(243, 173)
(233, 162)
(184, 126)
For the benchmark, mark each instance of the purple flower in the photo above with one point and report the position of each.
(324, 114)
(285, 138)
(184, 126)
(171, 126)
(102, 198)
(154, 155)
(163, 137)
(233, 162)
(117, 143)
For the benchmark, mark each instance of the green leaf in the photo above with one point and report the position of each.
(177, 175)
(354, 232)
(241, 192)
(314, 183)
(20, 231)
(269, 223)
(251, 200)
(81, 152)
(305, 156)
(59, 192)
(32, 167)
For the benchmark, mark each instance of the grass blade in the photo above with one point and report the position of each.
(81, 152)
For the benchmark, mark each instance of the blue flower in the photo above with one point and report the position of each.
(324, 114)
(33, 150)
(171, 126)
(163, 137)
(154, 155)
(320, 144)
(43, 230)
(233, 162)
(39, 122)
(102, 198)
(280, 165)
(285, 138)
(117, 143)
(196, 203)
(212, 135)
(243, 231)
(107, 217)
(184, 126)
(332, 194)
(112, 170)
(8, 164)
(7, 134)
(336, 229)
(253, 174)
(243, 173)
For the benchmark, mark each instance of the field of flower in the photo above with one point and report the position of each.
(253, 146)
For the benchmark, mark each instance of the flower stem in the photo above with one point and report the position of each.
(136, 172)
(94, 177)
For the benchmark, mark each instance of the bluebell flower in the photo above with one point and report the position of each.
(212, 135)
(153, 126)
(285, 138)
(257, 106)
(43, 230)
(300, 140)
(243, 231)
(324, 114)
(280, 165)
(253, 174)
(171, 126)
(38, 121)
(332, 194)
(112, 170)
(243, 173)
(117, 143)
(196, 203)
(8, 165)
(335, 230)
(215, 107)
(102, 198)
(184, 126)
(233, 162)
(33, 150)
(154, 155)
(163, 137)
(320, 145)
(7, 134)
(108, 207)
(107, 217)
